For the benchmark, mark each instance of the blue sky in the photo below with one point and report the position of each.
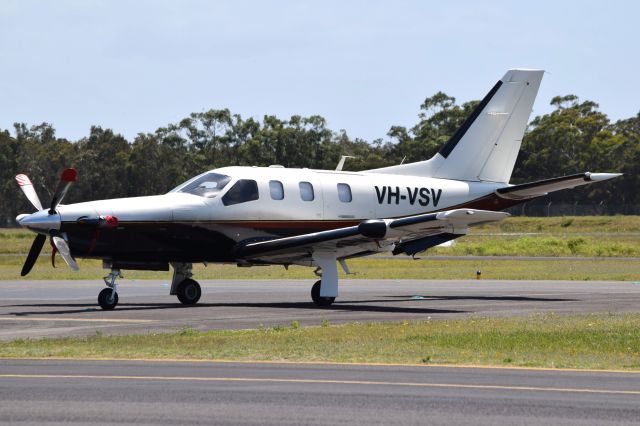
(364, 65)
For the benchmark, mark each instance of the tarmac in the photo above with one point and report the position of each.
(31, 309)
(55, 391)
(151, 392)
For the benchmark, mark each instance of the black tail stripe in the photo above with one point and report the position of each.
(451, 143)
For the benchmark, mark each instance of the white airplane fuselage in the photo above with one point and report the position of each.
(185, 227)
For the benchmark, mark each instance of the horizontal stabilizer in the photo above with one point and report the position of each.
(543, 187)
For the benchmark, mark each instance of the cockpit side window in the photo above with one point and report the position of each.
(207, 185)
(242, 191)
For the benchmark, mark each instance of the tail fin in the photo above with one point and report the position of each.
(486, 146)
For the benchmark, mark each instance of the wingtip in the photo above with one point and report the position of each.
(597, 177)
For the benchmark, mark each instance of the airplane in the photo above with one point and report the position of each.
(273, 215)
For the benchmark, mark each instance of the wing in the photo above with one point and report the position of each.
(408, 235)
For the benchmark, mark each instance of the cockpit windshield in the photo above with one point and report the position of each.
(206, 185)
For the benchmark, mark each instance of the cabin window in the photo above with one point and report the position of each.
(207, 185)
(242, 191)
(276, 189)
(344, 192)
(306, 191)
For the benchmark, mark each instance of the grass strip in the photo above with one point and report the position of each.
(600, 341)
(553, 236)
(605, 269)
(605, 237)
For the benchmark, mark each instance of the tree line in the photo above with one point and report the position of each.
(575, 137)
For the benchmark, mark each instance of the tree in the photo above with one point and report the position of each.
(440, 117)
(576, 137)
(622, 153)
(101, 161)
(573, 138)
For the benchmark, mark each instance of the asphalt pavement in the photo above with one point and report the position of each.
(140, 392)
(62, 308)
(165, 392)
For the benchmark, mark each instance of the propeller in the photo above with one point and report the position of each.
(34, 252)
(44, 222)
(27, 188)
(63, 248)
(67, 177)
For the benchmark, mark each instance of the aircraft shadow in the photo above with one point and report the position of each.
(488, 298)
(354, 306)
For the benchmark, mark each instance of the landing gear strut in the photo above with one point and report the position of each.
(324, 292)
(108, 297)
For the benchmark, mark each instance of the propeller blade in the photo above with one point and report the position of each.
(54, 250)
(34, 252)
(65, 252)
(27, 188)
(67, 177)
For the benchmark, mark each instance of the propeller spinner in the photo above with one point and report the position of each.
(46, 222)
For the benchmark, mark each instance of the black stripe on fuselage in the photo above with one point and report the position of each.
(451, 143)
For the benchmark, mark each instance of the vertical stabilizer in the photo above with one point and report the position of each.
(486, 146)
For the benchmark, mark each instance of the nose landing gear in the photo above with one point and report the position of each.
(108, 297)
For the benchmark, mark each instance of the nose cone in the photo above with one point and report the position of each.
(40, 221)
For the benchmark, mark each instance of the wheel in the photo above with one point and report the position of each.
(105, 300)
(320, 301)
(189, 292)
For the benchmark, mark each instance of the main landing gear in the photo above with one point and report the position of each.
(324, 292)
(182, 285)
(189, 292)
(317, 299)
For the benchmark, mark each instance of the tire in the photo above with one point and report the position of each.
(189, 292)
(105, 300)
(320, 301)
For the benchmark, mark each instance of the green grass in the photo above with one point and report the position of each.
(589, 341)
(17, 241)
(565, 224)
(578, 245)
(606, 269)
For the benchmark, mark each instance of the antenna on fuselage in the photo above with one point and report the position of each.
(341, 162)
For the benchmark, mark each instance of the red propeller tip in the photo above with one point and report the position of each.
(23, 180)
(69, 175)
